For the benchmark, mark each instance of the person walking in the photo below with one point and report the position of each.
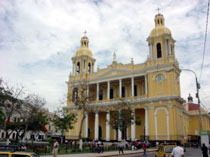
(144, 147)
(55, 148)
(204, 150)
(178, 151)
(120, 146)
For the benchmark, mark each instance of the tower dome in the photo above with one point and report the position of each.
(160, 27)
(84, 50)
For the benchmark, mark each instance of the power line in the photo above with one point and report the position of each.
(204, 46)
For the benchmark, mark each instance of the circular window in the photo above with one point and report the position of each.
(159, 78)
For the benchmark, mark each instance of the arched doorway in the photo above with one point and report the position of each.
(99, 132)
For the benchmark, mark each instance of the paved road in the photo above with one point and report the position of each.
(188, 153)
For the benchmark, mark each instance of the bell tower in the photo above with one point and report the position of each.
(83, 62)
(160, 41)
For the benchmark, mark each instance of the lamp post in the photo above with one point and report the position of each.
(197, 95)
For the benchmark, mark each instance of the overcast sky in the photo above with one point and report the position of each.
(39, 37)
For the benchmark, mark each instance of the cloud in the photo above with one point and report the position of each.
(39, 37)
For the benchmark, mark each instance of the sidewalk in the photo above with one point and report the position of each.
(110, 153)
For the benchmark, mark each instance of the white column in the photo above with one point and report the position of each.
(97, 96)
(146, 122)
(119, 135)
(73, 68)
(108, 90)
(166, 47)
(115, 134)
(108, 126)
(145, 78)
(127, 133)
(132, 86)
(96, 125)
(169, 48)
(120, 88)
(119, 132)
(86, 125)
(133, 126)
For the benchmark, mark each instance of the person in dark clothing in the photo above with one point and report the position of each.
(204, 150)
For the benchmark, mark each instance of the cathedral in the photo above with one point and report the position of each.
(152, 90)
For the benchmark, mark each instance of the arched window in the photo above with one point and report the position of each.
(74, 95)
(159, 53)
(89, 67)
(78, 67)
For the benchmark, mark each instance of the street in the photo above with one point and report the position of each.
(189, 153)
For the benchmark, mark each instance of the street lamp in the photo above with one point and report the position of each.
(197, 95)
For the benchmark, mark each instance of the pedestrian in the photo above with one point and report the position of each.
(144, 147)
(120, 146)
(55, 148)
(178, 151)
(204, 150)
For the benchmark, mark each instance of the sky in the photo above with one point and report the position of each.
(39, 37)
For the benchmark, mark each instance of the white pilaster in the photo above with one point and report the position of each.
(145, 78)
(132, 86)
(120, 88)
(96, 125)
(133, 126)
(97, 90)
(108, 126)
(108, 90)
(86, 125)
(73, 68)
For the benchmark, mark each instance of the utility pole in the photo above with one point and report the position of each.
(197, 96)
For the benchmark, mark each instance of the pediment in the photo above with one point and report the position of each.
(111, 73)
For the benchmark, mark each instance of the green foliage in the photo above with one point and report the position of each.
(38, 121)
(64, 121)
(122, 118)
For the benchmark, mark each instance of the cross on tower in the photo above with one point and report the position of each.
(85, 32)
(158, 9)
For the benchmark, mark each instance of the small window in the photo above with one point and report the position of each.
(111, 93)
(159, 53)
(78, 67)
(89, 67)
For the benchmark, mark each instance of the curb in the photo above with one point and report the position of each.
(125, 153)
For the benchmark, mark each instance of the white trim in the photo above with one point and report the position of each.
(167, 121)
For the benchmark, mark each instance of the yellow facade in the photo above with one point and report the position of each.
(152, 90)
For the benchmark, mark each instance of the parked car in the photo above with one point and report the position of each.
(19, 154)
(164, 151)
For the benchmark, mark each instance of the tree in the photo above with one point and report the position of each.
(80, 99)
(64, 121)
(10, 100)
(20, 112)
(123, 117)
